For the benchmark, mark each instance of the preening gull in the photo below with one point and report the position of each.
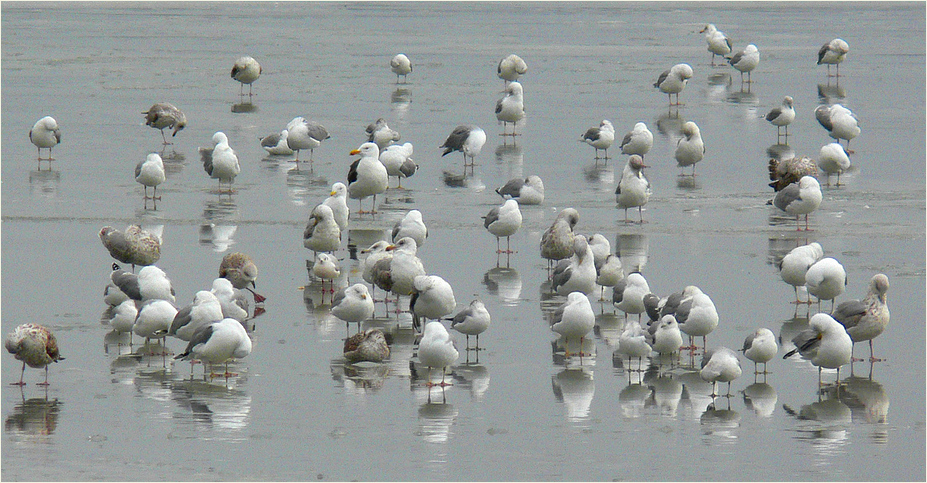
(45, 134)
(577, 274)
(833, 52)
(718, 43)
(154, 319)
(689, 149)
(413, 226)
(367, 176)
(839, 121)
(381, 134)
(303, 134)
(745, 61)
(150, 172)
(638, 141)
(233, 301)
(833, 158)
(696, 315)
(720, 364)
(825, 343)
(162, 116)
(124, 316)
(573, 320)
(800, 198)
(217, 343)
(557, 240)
(150, 283)
(795, 264)
(468, 140)
(826, 279)
(511, 68)
(204, 310)
(511, 107)
(436, 350)
(401, 66)
(503, 221)
(276, 144)
(246, 70)
(866, 319)
(528, 191)
(397, 158)
(673, 81)
(600, 137)
(322, 233)
(134, 246)
(633, 343)
(369, 345)
(760, 346)
(473, 320)
(628, 295)
(633, 189)
(782, 116)
(432, 298)
(35, 345)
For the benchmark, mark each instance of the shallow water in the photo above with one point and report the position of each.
(521, 411)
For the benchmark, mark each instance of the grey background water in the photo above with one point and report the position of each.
(297, 412)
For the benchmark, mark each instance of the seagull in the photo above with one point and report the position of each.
(217, 343)
(150, 283)
(353, 304)
(833, 52)
(223, 164)
(503, 221)
(163, 115)
(233, 302)
(369, 345)
(411, 225)
(600, 137)
(833, 158)
(150, 172)
(381, 134)
(468, 140)
(696, 315)
(577, 274)
(322, 233)
(511, 68)
(303, 134)
(326, 267)
(628, 294)
(795, 264)
(511, 107)
(432, 298)
(574, 319)
(528, 191)
(45, 134)
(866, 319)
(782, 116)
(633, 189)
(276, 144)
(826, 279)
(760, 346)
(800, 199)
(673, 81)
(665, 337)
(401, 66)
(633, 343)
(609, 274)
(397, 158)
(718, 43)
(124, 316)
(720, 364)
(825, 343)
(638, 141)
(404, 266)
(473, 320)
(375, 252)
(839, 122)
(557, 240)
(204, 310)
(745, 61)
(367, 176)
(154, 319)
(338, 201)
(436, 349)
(35, 345)
(134, 246)
(601, 248)
(691, 148)
(787, 171)
(246, 70)
(241, 270)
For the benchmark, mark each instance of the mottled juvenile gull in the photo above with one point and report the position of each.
(162, 116)
(557, 240)
(866, 319)
(135, 245)
(369, 345)
(35, 345)
(241, 270)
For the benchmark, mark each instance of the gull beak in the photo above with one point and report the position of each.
(333, 193)
(391, 248)
(354, 151)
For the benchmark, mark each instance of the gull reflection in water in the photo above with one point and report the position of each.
(761, 398)
(220, 237)
(33, 420)
(824, 424)
(505, 283)
(400, 101)
(359, 378)
(474, 377)
(632, 400)
(633, 250)
(666, 392)
(720, 423)
(44, 182)
(511, 156)
(212, 407)
(299, 184)
(574, 388)
(868, 402)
